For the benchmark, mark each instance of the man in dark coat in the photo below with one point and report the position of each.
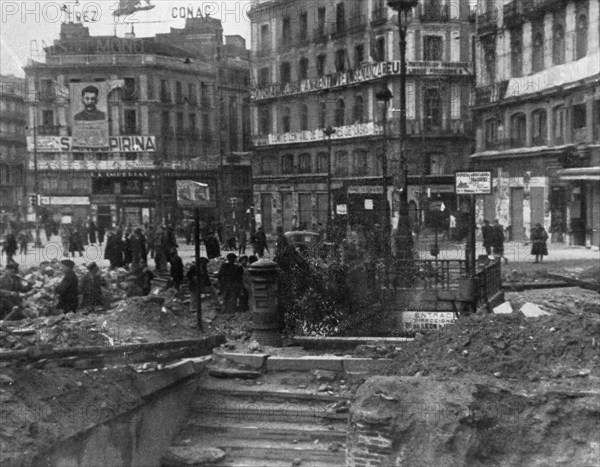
(114, 250)
(260, 242)
(205, 284)
(230, 282)
(11, 285)
(176, 269)
(91, 288)
(101, 233)
(213, 248)
(91, 231)
(487, 232)
(68, 289)
(138, 247)
(10, 247)
(498, 241)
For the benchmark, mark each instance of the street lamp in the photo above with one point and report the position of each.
(329, 132)
(405, 243)
(384, 96)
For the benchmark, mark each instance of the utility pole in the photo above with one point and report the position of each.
(385, 96)
(36, 180)
(329, 132)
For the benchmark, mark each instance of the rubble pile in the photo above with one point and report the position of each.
(565, 300)
(516, 276)
(56, 331)
(565, 344)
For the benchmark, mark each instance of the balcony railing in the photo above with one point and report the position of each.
(487, 23)
(490, 94)
(379, 16)
(48, 130)
(453, 127)
(434, 13)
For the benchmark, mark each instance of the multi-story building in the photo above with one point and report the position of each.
(13, 153)
(319, 64)
(538, 114)
(171, 107)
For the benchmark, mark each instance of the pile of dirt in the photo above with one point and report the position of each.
(507, 346)
(521, 276)
(562, 300)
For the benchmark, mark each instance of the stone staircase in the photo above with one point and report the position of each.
(249, 418)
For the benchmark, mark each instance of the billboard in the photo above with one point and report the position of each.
(473, 183)
(191, 194)
(89, 114)
(115, 144)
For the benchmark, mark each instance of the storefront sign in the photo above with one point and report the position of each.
(191, 194)
(415, 321)
(369, 204)
(115, 144)
(65, 200)
(341, 132)
(365, 190)
(341, 209)
(473, 183)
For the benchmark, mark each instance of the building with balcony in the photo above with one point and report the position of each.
(13, 153)
(176, 107)
(537, 107)
(320, 64)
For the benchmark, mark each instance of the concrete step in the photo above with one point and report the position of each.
(249, 462)
(275, 450)
(248, 429)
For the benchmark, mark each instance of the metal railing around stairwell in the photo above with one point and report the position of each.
(489, 282)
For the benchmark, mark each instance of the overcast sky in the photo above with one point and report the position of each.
(27, 25)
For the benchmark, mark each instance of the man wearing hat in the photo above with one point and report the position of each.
(230, 282)
(11, 285)
(68, 289)
(91, 288)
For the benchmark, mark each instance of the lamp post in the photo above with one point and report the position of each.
(329, 132)
(36, 181)
(385, 96)
(405, 242)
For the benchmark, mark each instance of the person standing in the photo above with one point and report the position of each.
(260, 242)
(246, 288)
(176, 269)
(68, 289)
(230, 281)
(10, 246)
(64, 234)
(205, 285)
(498, 241)
(91, 231)
(138, 247)
(150, 241)
(23, 239)
(91, 288)
(487, 232)
(213, 248)
(159, 260)
(114, 251)
(539, 237)
(101, 233)
(242, 241)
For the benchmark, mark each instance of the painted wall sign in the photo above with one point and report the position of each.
(473, 183)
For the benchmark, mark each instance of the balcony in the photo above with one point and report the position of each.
(379, 16)
(513, 14)
(453, 127)
(490, 94)
(487, 23)
(48, 130)
(130, 130)
(536, 9)
(434, 13)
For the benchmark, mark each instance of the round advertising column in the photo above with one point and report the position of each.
(266, 321)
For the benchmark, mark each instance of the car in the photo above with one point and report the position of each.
(307, 242)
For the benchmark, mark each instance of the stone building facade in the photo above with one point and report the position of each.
(318, 64)
(538, 115)
(177, 109)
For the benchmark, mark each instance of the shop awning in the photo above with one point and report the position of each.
(580, 173)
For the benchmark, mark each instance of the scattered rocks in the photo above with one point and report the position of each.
(192, 456)
(325, 376)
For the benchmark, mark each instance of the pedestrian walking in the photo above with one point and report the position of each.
(10, 246)
(487, 232)
(230, 282)
(539, 237)
(23, 239)
(498, 241)
(260, 242)
(68, 289)
(213, 248)
(127, 254)
(91, 288)
(91, 231)
(242, 241)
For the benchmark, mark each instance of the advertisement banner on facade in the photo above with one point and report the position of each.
(89, 111)
(191, 194)
(473, 183)
(115, 144)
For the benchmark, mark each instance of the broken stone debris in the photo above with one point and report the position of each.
(530, 310)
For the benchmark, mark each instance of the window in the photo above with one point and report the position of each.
(432, 48)
(285, 120)
(47, 90)
(321, 14)
(433, 108)
(558, 43)
(359, 55)
(287, 164)
(518, 128)
(304, 164)
(579, 116)
(321, 62)
(303, 27)
(323, 162)
(340, 168)
(129, 122)
(268, 165)
(361, 163)
(437, 164)
(359, 109)
(178, 92)
(166, 121)
(304, 117)
(340, 113)
(179, 122)
(286, 31)
(491, 133)
(264, 121)
(285, 72)
(560, 119)
(192, 98)
(165, 94)
(192, 120)
(264, 76)
(265, 38)
(596, 122)
(48, 117)
(129, 89)
(581, 39)
(539, 125)
(537, 59)
(340, 18)
(323, 115)
(303, 68)
(516, 56)
(380, 49)
(204, 97)
(340, 60)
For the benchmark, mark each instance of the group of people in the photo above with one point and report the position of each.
(493, 240)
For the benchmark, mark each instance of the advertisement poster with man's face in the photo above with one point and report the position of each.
(89, 112)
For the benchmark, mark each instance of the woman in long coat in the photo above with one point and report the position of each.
(539, 236)
(114, 250)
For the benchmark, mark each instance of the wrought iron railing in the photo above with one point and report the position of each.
(489, 282)
(432, 274)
